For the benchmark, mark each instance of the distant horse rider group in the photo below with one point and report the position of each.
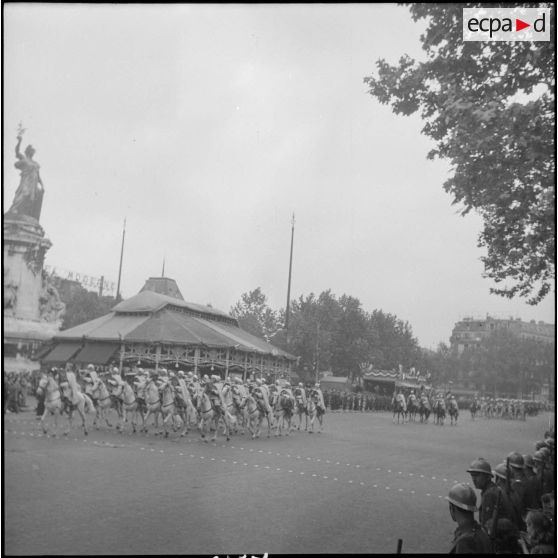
(423, 405)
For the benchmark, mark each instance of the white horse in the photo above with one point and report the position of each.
(102, 399)
(152, 403)
(53, 401)
(231, 399)
(130, 404)
(184, 405)
(169, 410)
(254, 416)
(79, 401)
(315, 412)
(209, 414)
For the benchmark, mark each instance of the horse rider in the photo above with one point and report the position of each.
(453, 403)
(66, 391)
(214, 392)
(261, 395)
(300, 394)
(41, 397)
(469, 537)
(320, 404)
(412, 399)
(481, 473)
(401, 398)
(286, 391)
(140, 382)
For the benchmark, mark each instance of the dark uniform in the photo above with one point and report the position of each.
(470, 538)
(489, 498)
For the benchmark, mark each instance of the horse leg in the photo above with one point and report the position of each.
(70, 415)
(43, 424)
(83, 424)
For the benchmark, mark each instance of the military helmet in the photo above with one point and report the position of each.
(480, 465)
(540, 444)
(550, 442)
(500, 471)
(546, 452)
(539, 456)
(516, 460)
(463, 496)
(528, 461)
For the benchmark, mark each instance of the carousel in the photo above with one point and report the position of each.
(154, 330)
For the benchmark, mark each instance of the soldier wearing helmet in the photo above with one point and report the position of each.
(481, 473)
(469, 537)
(543, 471)
(502, 478)
(520, 494)
(533, 487)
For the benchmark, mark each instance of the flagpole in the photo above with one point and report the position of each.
(289, 285)
(121, 257)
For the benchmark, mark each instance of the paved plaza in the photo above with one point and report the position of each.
(356, 488)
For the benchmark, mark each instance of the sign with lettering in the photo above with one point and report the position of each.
(86, 281)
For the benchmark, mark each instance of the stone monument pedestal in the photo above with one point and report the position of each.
(28, 317)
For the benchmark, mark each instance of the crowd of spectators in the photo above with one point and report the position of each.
(516, 509)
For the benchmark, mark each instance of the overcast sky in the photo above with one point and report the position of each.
(207, 126)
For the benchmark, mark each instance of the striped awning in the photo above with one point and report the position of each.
(62, 353)
(96, 353)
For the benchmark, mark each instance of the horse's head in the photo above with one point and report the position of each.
(43, 382)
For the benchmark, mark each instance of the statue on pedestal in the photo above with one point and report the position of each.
(51, 307)
(28, 198)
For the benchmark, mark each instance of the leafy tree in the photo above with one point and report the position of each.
(489, 107)
(82, 305)
(255, 316)
(391, 341)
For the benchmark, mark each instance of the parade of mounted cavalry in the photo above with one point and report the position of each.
(169, 402)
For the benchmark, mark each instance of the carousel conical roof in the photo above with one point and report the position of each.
(151, 317)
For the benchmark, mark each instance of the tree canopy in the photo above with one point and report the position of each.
(489, 107)
(331, 333)
(255, 315)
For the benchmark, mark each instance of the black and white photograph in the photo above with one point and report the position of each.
(278, 279)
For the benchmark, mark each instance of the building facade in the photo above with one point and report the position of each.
(469, 332)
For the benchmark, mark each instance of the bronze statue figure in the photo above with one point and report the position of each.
(28, 198)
